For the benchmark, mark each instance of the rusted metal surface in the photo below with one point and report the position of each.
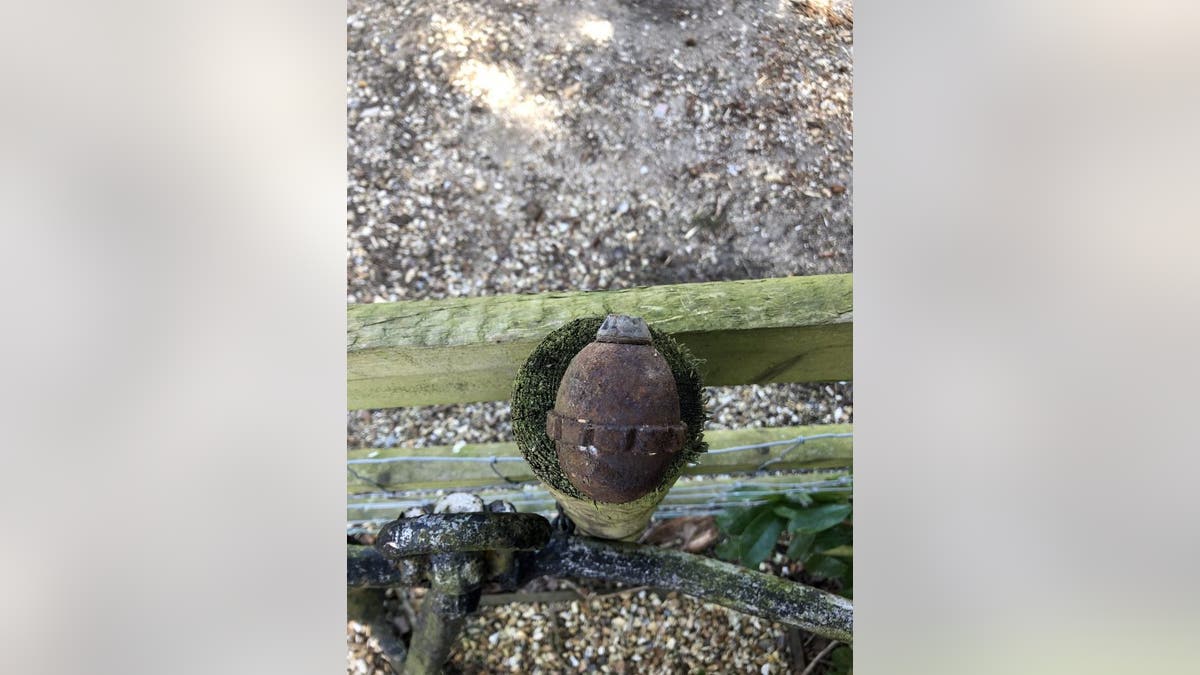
(457, 545)
(616, 422)
(570, 556)
(439, 623)
(462, 533)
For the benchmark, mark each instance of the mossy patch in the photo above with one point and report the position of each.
(537, 385)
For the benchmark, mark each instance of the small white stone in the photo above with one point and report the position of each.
(458, 502)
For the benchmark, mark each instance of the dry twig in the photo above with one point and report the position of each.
(817, 659)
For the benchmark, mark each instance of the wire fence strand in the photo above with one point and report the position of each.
(693, 496)
(492, 459)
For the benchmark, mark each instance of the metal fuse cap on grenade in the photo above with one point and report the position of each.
(616, 424)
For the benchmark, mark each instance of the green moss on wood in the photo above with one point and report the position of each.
(458, 350)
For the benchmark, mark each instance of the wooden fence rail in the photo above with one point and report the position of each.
(461, 350)
(682, 495)
(425, 468)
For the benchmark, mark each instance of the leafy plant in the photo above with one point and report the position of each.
(820, 537)
(841, 661)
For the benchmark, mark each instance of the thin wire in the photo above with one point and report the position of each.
(365, 479)
(684, 499)
(356, 526)
(713, 496)
(798, 440)
(392, 460)
(736, 489)
(535, 493)
(492, 465)
(768, 444)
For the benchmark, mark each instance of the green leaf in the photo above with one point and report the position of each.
(801, 545)
(760, 538)
(755, 492)
(831, 497)
(841, 661)
(819, 518)
(847, 578)
(833, 538)
(787, 512)
(734, 521)
(825, 567)
(730, 549)
(801, 499)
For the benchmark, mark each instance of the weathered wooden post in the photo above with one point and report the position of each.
(620, 416)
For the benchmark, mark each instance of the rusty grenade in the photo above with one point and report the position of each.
(616, 424)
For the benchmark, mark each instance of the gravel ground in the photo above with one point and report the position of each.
(606, 628)
(632, 632)
(609, 628)
(541, 146)
(534, 146)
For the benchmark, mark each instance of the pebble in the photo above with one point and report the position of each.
(644, 638)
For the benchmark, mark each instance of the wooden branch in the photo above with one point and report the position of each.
(737, 588)
(820, 655)
(816, 453)
(744, 590)
(460, 350)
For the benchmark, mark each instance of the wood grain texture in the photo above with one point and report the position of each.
(816, 453)
(461, 350)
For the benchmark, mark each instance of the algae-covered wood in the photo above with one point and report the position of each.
(435, 473)
(746, 591)
(459, 350)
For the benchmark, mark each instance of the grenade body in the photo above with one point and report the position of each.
(616, 422)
